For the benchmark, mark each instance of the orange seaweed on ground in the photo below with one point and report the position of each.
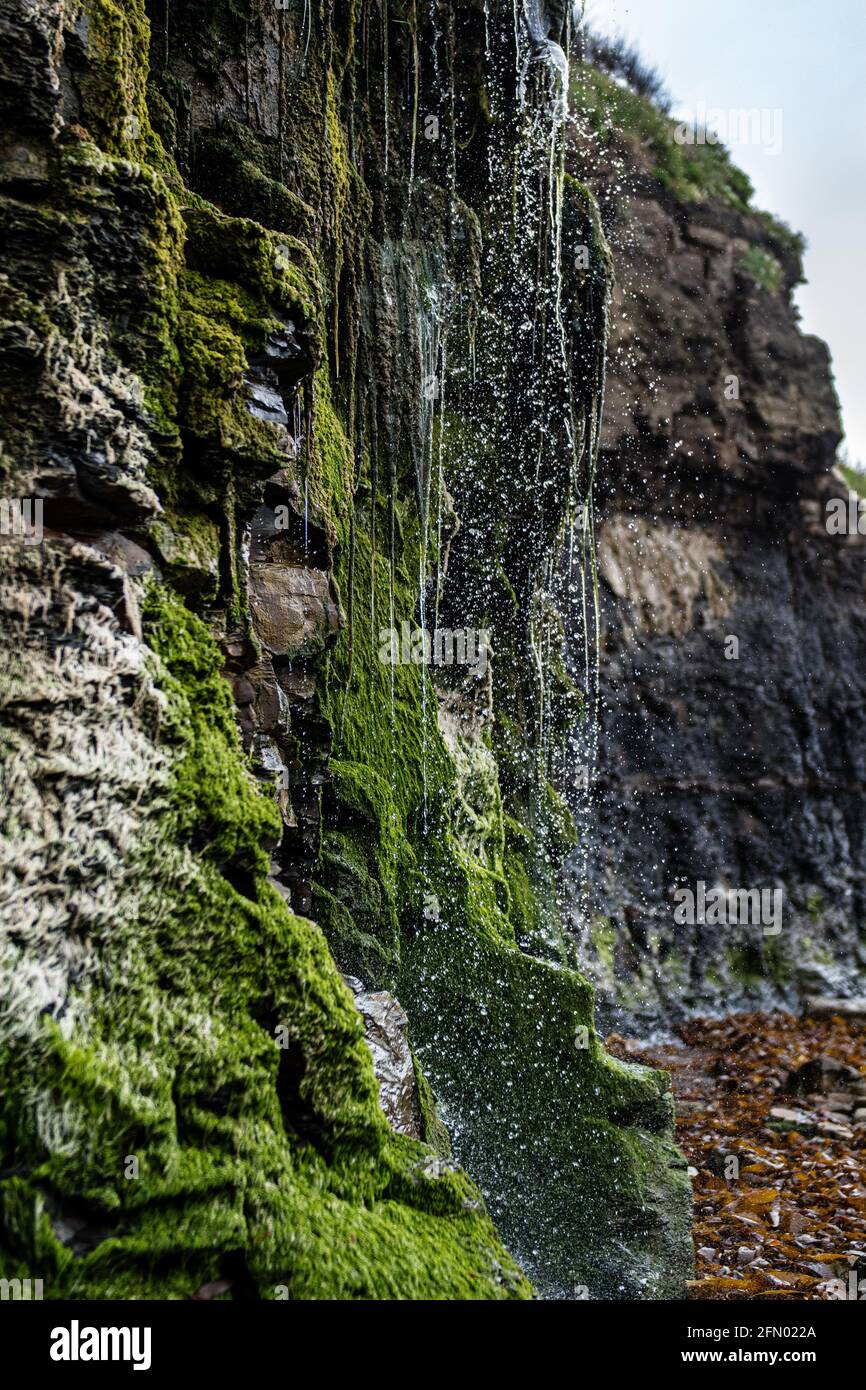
(792, 1216)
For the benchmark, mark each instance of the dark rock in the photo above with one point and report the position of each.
(824, 1006)
(741, 772)
(824, 1075)
(265, 401)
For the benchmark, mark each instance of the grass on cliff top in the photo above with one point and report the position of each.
(694, 173)
(855, 477)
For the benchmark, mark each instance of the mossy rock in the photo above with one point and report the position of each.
(572, 1149)
(173, 1139)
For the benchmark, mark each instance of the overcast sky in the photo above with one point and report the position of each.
(808, 61)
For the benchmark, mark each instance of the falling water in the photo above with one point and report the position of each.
(434, 307)
(523, 399)
(415, 94)
(385, 77)
(533, 181)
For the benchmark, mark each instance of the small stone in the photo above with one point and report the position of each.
(839, 1100)
(831, 1131)
(825, 1006)
(719, 1162)
(783, 1119)
(244, 691)
(690, 1107)
(793, 1223)
(264, 402)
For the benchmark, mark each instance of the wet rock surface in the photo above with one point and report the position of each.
(221, 335)
(733, 693)
(386, 1029)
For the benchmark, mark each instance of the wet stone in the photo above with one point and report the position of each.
(386, 1029)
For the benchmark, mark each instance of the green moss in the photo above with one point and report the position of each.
(591, 1166)
(330, 465)
(856, 480)
(278, 271)
(114, 86)
(435, 1132)
(212, 401)
(523, 907)
(762, 267)
(494, 1028)
(815, 904)
(790, 243)
(189, 546)
(222, 321)
(775, 961)
(603, 937)
(212, 787)
(691, 171)
(238, 171)
(746, 965)
(138, 272)
(255, 1163)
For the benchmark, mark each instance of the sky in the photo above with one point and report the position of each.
(807, 61)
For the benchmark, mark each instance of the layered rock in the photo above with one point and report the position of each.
(732, 694)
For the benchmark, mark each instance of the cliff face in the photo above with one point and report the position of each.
(732, 684)
(293, 357)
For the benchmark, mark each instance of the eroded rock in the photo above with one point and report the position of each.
(386, 1028)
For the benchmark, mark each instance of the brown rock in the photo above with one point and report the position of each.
(293, 609)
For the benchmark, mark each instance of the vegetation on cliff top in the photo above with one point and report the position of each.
(614, 109)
